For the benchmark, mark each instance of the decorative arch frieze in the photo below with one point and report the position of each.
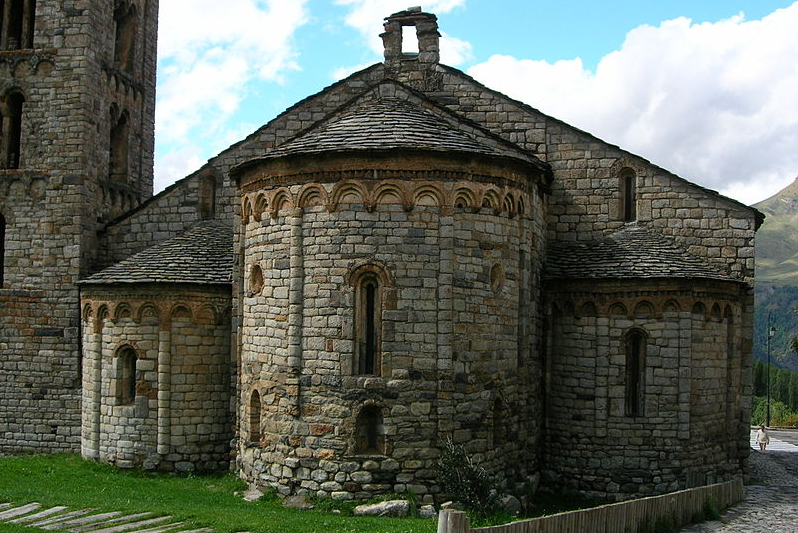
(180, 311)
(312, 196)
(408, 194)
(281, 200)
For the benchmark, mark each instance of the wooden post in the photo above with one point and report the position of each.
(453, 522)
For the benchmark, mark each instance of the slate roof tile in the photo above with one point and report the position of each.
(388, 123)
(633, 252)
(202, 255)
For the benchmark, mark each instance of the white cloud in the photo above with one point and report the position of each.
(367, 17)
(454, 51)
(713, 102)
(177, 164)
(209, 53)
(342, 72)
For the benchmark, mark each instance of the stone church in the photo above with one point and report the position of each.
(403, 258)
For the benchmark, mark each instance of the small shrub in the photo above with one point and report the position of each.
(666, 524)
(710, 510)
(466, 481)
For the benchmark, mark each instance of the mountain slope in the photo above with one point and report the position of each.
(777, 239)
(777, 277)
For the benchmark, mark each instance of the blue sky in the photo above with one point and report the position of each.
(704, 88)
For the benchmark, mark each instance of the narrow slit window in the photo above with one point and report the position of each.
(12, 129)
(118, 150)
(126, 392)
(628, 197)
(125, 18)
(635, 372)
(18, 22)
(367, 316)
(254, 417)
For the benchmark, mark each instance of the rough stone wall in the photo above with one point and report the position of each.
(450, 332)
(692, 419)
(179, 418)
(585, 196)
(206, 194)
(51, 204)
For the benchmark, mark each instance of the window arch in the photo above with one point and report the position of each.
(635, 346)
(628, 188)
(254, 417)
(2, 249)
(207, 197)
(126, 372)
(18, 20)
(12, 109)
(370, 431)
(126, 22)
(368, 310)
(370, 282)
(117, 152)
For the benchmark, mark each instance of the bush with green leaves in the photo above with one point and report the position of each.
(466, 481)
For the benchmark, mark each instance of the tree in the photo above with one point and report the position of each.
(760, 385)
(780, 387)
(794, 392)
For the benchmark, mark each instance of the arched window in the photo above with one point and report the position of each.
(125, 19)
(254, 417)
(117, 153)
(18, 18)
(370, 431)
(628, 186)
(126, 372)
(255, 280)
(2, 248)
(368, 309)
(635, 372)
(207, 197)
(12, 129)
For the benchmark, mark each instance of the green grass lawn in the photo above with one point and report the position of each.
(196, 500)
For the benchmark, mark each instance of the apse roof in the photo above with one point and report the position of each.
(202, 255)
(391, 116)
(633, 252)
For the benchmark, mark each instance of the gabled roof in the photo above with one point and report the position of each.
(632, 252)
(759, 217)
(391, 116)
(202, 255)
(388, 123)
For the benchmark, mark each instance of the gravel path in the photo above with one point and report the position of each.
(771, 501)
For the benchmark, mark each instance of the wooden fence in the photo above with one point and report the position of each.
(623, 517)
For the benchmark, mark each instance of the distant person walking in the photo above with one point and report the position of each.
(762, 438)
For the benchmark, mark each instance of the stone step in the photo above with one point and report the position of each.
(160, 529)
(61, 518)
(92, 519)
(37, 516)
(120, 520)
(132, 526)
(81, 521)
(22, 509)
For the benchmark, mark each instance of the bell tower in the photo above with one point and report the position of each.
(77, 106)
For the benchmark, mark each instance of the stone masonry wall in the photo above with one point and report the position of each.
(692, 416)
(585, 193)
(179, 418)
(51, 206)
(451, 340)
